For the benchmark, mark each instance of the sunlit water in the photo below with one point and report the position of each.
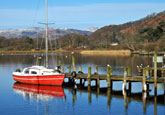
(34, 100)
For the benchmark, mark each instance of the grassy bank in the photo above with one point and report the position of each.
(106, 52)
(83, 52)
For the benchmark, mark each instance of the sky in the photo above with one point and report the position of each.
(75, 14)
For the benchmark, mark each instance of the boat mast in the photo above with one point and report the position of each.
(46, 34)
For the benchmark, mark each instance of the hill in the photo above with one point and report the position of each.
(37, 32)
(130, 35)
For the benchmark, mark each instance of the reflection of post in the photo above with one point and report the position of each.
(47, 106)
(74, 96)
(155, 74)
(89, 94)
(144, 96)
(125, 99)
(98, 92)
(109, 96)
(155, 105)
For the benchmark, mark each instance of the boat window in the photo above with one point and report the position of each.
(27, 72)
(33, 72)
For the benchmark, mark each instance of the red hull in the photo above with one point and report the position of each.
(40, 80)
(53, 91)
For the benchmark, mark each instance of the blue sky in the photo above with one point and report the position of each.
(77, 14)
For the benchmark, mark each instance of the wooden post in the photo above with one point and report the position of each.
(98, 82)
(125, 79)
(59, 62)
(129, 83)
(129, 71)
(73, 60)
(89, 76)
(80, 82)
(144, 81)
(80, 68)
(69, 69)
(62, 68)
(38, 61)
(162, 72)
(108, 77)
(96, 69)
(74, 68)
(155, 74)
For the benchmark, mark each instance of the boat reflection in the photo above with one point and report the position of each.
(38, 92)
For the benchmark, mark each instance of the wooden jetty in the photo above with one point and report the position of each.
(146, 78)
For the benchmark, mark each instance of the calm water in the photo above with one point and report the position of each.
(25, 99)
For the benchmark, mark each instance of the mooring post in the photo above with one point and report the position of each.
(96, 69)
(80, 81)
(73, 59)
(98, 82)
(69, 69)
(144, 80)
(38, 61)
(155, 74)
(147, 74)
(162, 72)
(129, 83)
(59, 62)
(125, 79)
(74, 68)
(89, 76)
(108, 77)
(80, 68)
(62, 68)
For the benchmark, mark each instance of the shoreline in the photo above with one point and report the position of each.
(82, 52)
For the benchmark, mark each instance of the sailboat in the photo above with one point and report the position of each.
(40, 75)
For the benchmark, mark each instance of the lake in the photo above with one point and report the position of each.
(26, 99)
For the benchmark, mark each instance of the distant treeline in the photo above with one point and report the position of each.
(147, 34)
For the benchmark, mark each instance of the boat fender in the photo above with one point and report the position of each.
(17, 70)
(95, 73)
(73, 74)
(80, 72)
(147, 77)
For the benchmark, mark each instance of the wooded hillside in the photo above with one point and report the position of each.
(147, 34)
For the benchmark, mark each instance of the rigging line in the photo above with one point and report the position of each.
(36, 13)
(51, 48)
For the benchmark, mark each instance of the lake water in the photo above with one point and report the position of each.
(26, 99)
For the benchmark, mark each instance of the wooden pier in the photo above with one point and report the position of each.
(145, 78)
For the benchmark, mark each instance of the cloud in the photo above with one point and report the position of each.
(82, 16)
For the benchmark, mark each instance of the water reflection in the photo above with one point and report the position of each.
(116, 62)
(127, 97)
(38, 92)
